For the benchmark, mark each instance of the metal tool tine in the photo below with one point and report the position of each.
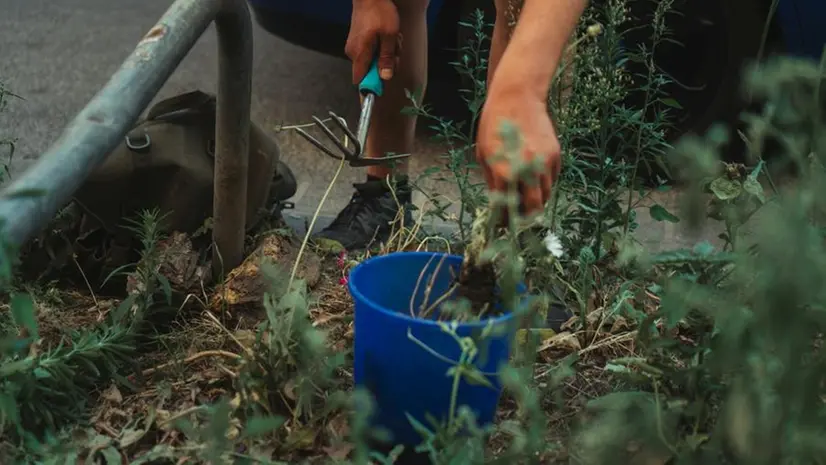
(351, 136)
(319, 145)
(348, 153)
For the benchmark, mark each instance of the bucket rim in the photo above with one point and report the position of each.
(357, 295)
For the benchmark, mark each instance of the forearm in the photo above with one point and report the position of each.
(538, 42)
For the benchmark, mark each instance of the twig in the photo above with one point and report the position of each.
(107, 429)
(432, 238)
(220, 326)
(189, 297)
(608, 341)
(83, 275)
(417, 226)
(399, 216)
(181, 414)
(193, 358)
(315, 217)
(416, 288)
(227, 371)
(442, 298)
(301, 126)
(424, 305)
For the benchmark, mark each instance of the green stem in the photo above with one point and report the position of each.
(454, 391)
(651, 66)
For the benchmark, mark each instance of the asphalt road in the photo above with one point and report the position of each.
(58, 54)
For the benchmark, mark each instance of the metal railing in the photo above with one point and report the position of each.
(30, 202)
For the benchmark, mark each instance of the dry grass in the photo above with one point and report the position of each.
(198, 357)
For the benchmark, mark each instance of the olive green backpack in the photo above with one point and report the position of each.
(167, 161)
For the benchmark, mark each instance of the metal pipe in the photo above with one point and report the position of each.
(29, 203)
(232, 130)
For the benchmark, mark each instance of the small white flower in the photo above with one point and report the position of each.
(553, 244)
(594, 30)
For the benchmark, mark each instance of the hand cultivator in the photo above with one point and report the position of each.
(370, 87)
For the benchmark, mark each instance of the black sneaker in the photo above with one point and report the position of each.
(369, 217)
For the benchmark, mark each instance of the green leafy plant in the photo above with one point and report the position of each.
(605, 142)
(731, 366)
(43, 388)
(459, 137)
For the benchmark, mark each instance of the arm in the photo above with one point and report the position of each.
(535, 50)
(518, 93)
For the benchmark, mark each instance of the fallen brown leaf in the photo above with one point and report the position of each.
(113, 394)
(339, 451)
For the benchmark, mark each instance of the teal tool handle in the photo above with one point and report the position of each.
(372, 81)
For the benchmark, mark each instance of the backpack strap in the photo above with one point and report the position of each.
(196, 101)
(195, 107)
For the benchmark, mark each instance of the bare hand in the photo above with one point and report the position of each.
(538, 139)
(375, 23)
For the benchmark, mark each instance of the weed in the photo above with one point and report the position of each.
(8, 143)
(44, 388)
(733, 338)
(459, 137)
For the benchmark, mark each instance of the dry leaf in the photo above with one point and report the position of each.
(112, 394)
(130, 436)
(245, 337)
(544, 335)
(234, 430)
(620, 325)
(565, 340)
(570, 324)
(339, 451)
(289, 390)
(246, 284)
(301, 439)
(338, 427)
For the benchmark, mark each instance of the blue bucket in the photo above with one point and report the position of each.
(402, 376)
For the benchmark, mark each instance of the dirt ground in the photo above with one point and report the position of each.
(196, 356)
